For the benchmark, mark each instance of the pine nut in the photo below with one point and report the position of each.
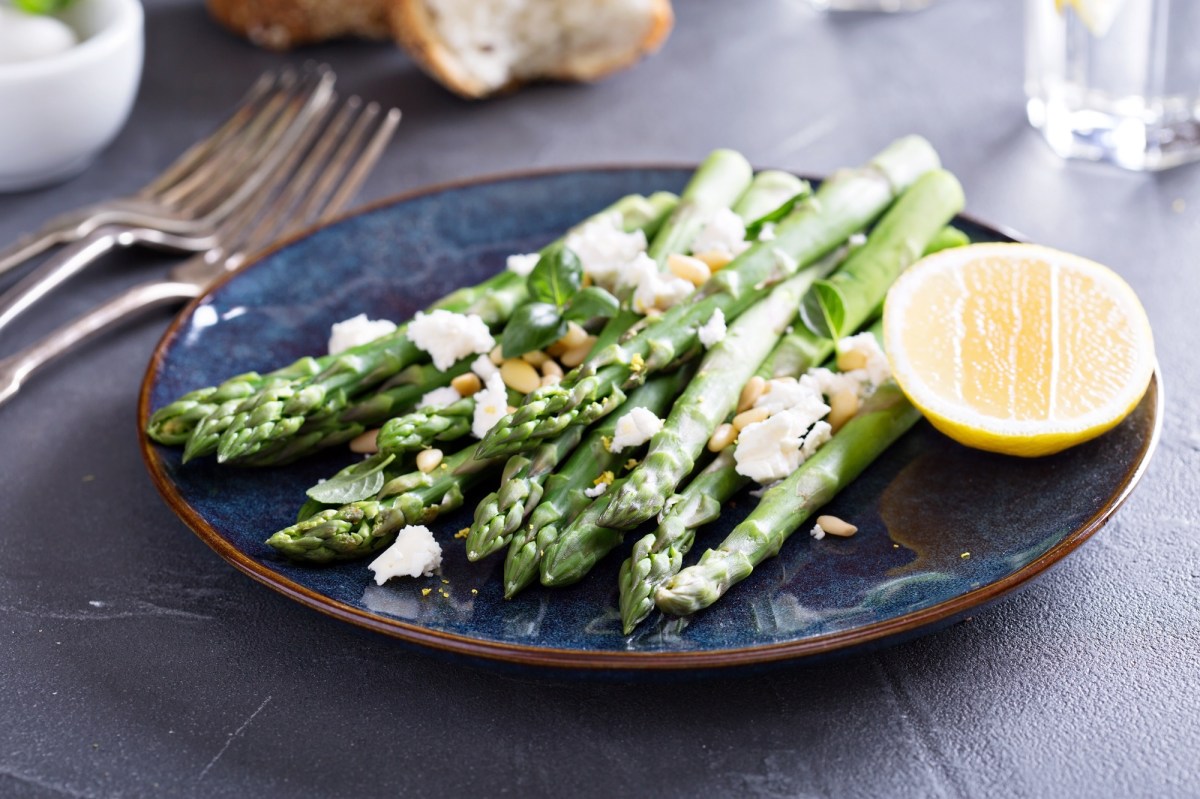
(832, 525)
(365, 443)
(519, 375)
(467, 384)
(536, 357)
(851, 359)
(842, 407)
(552, 369)
(693, 270)
(715, 259)
(556, 349)
(722, 437)
(551, 380)
(428, 459)
(577, 355)
(496, 356)
(575, 336)
(755, 387)
(747, 418)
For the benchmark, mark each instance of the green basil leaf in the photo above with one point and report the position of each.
(357, 481)
(591, 302)
(534, 325)
(556, 277)
(823, 311)
(42, 6)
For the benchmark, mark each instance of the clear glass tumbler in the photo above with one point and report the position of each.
(1115, 80)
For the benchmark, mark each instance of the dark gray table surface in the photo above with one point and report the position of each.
(135, 662)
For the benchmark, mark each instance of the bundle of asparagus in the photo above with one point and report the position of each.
(769, 304)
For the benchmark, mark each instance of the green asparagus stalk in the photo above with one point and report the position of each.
(885, 416)
(843, 205)
(500, 513)
(421, 428)
(707, 401)
(363, 528)
(272, 415)
(769, 190)
(720, 179)
(838, 304)
(562, 496)
(581, 545)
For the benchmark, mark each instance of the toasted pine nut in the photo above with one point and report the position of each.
(552, 369)
(722, 437)
(496, 356)
(851, 359)
(715, 259)
(842, 407)
(551, 380)
(467, 384)
(747, 418)
(428, 459)
(512, 409)
(365, 443)
(755, 387)
(832, 525)
(577, 355)
(693, 270)
(556, 349)
(536, 357)
(575, 336)
(519, 375)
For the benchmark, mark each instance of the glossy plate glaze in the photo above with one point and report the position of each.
(942, 529)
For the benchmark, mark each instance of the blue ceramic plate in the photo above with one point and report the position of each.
(942, 529)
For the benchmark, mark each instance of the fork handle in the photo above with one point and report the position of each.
(15, 369)
(31, 245)
(50, 274)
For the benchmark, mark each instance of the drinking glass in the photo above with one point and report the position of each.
(1115, 80)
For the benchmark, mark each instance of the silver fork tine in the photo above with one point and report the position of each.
(341, 175)
(203, 149)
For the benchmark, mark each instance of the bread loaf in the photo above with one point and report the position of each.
(284, 24)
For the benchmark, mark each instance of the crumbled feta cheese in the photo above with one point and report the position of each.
(595, 490)
(415, 553)
(829, 383)
(857, 239)
(605, 249)
(440, 397)
(634, 429)
(770, 450)
(523, 264)
(820, 433)
(877, 368)
(767, 232)
(817, 532)
(484, 367)
(652, 289)
(448, 336)
(724, 232)
(491, 405)
(357, 330)
(785, 393)
(714, 329)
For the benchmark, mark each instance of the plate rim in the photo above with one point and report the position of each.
(585, 659)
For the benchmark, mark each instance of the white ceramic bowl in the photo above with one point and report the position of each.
(58, 112)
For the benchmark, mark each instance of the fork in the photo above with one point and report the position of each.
(313, 190)
(171, 203)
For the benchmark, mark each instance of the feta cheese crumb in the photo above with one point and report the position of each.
(357, 330)
(857, 239)
(784, 393)
(604, 248)
(864, 344)
(415, 553)
(491, 405)
(484, 367)
(523, 264)
(652, 289)
(767, 232)
(770, 450)
(724, 232)
(595, 490)
(817, 532)
(634, 429)
(818, 435)
(448, 336)
(713, 330)
(440, 397)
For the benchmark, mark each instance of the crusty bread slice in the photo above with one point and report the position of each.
(480, 47)
(283, 24)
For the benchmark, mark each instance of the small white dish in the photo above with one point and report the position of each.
(58, 111)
